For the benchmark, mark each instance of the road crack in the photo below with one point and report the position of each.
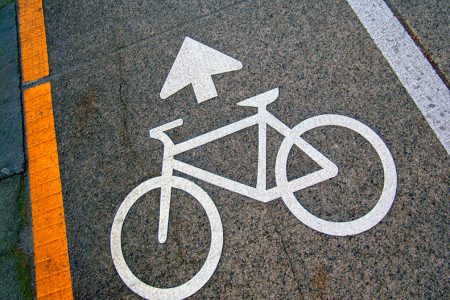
(289, 259)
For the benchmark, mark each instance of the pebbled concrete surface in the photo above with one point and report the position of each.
(429, 21)
(105, 27)
(106, 99)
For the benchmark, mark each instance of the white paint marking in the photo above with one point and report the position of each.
(284, 189)
(409, 64)
(195, 64)
(365, 222)
(207, 270)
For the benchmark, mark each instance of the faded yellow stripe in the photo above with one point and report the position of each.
(51, 254)
(33, 41)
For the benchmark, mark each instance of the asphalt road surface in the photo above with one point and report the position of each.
(109, 62)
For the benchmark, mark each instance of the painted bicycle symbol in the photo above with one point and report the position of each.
(284, 189)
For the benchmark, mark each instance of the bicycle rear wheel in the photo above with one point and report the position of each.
(375, 215)
(201, 278)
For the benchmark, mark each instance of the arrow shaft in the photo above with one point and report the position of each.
(204, 88)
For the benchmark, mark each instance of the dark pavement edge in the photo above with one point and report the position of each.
(16, 262)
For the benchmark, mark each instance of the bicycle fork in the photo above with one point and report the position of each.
(164, 206)
(166, 176)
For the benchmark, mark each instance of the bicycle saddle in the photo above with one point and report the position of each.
(261, 100)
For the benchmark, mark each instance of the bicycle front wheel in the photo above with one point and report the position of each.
(201, 278)
(353, 227)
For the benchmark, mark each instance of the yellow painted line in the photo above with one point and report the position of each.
(51, 254)
(53, 280)
(33, 41)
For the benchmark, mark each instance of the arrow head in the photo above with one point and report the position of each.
(195, 64)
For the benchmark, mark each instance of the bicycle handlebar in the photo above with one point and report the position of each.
(156, 132)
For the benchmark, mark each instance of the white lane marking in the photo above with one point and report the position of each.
(416, 74)
(195, 64)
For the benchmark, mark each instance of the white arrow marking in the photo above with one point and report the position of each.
(195, 64)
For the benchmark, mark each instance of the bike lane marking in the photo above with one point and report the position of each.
(52, 267)
(284, 189)
(420, 80)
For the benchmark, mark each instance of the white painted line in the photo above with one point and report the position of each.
(416, 74)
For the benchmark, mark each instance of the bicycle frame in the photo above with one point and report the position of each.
(262, 118)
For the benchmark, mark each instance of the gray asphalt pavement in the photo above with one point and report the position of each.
(108, 64)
